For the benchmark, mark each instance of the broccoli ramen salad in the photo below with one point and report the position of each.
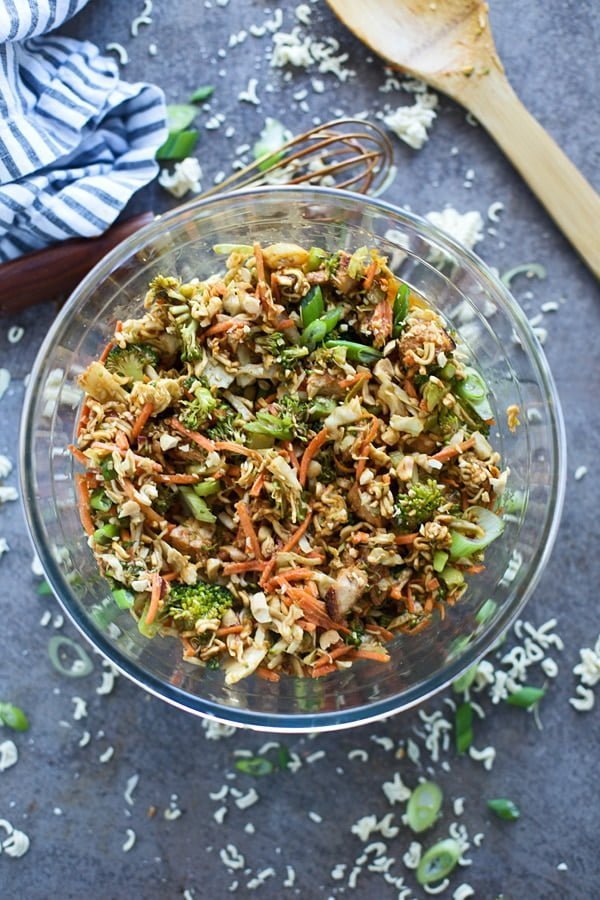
(287, 463)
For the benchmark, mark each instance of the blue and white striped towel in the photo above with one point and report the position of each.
(75, 141)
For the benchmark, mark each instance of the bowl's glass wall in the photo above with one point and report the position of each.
(473, 302)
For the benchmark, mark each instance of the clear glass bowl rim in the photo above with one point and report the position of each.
(301, 722)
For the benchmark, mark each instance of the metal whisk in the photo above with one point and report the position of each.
(349, 154)
(345, 153)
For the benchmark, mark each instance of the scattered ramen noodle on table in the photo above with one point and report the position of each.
(286, 464)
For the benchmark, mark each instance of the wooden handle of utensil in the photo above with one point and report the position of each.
(46, 274)
(569, 198)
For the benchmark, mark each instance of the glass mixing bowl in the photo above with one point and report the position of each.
(492, 326)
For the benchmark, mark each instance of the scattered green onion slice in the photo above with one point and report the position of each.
(207, 488)
(356, 352)
(315, 257)
(440, 558)
(492, 525)
(106, 533)
(423, 806)
(123, 598)
(524, 269)
(464, 681)
(226, 249)
(438, 861)
(400, 308)
(202, 93)
(179, 116)
(452, 577)
(13, 717)
(196, 505)
(474, 391)
(463, 727)
(267, 150)
(107, 468)
(79, 667)
(255, 765)
(318, 330)
(178, 145)
(100, 500)
(486, 612)
(44, 589)
(504, 809)
(312, 306)
(525, 697)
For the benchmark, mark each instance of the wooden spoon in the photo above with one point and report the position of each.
(449, 44)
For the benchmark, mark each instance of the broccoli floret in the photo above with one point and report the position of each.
(130, 361)
(190, 350)
(419, 505)
(165, 287)
(448, 422)
(164, 499)
(285, 355)
(298, 412)
(186, 604)
(195, 413)
(228, 427)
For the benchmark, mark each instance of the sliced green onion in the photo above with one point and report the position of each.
(255, 765)
(178, 145)
(321, 407)
(179, 116)
(400, 309)
(315, 257)
(283, 756)
(463, 727)
(202, 93)
(438, 861)
(504, 809)
(13, 717)
(423, 806)
(196, 505)
(514, 502)
(107, 468)
(151, 629)
(452, 577)
(317, 331)
(106, 533)
(486, 612)
(267, 150)
(44, 589)
(100, 500)
(279, 427)
(207, 488)
(474, 391)
(123, 598)
(528, 269)
(464, 681)
(526, 697)
(59, 647)
(463, 546)
(440, 558)
(226, 249)
(312, 306)
(356, 352)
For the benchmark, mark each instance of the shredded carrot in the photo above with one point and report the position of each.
(169, 576)
(231, 447)
(83, 503)
(370, 435)
(370, 274)
(453, 450)
(246, 523)
(306, 625)
(405, 538)
(380, 631)
(415, 629)
(229, 629)
(176, 478)
(194, 436)
(291, 543)
(225, 325)
(264, 578)
(260, 262)
(311, 451)
(267, 674)
(79, 456)
(354, 379)
(359, 653)
(251, 566)
(323, 670)
(189, 650)
(314, 610)
(83, 418)
(147, 511)
(145, 413)
(106, 351)
(292, 455)
(125, 534)
(122, 442)
(258, 485)
(410, 388)
(292, 575)
(331, 655)
(154, 598)
(285, 323)
(475, 570)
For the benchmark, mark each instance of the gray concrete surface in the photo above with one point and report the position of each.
(70, 804)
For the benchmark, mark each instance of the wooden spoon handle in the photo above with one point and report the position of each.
(46, 274)
(569, 198)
